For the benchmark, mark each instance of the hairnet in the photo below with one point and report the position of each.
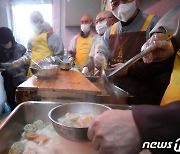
(38, 23)
(36, 17)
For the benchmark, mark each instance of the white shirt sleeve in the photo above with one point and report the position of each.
(104, 43)
(72, 45)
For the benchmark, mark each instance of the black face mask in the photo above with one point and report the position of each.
(8, 45)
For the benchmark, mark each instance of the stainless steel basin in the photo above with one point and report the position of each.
(27, 112)
(74, 133)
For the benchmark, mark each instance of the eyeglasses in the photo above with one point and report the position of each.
(114, 3)
(102, 19)
(85, 22)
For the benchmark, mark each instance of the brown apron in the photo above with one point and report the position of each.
(124, 46)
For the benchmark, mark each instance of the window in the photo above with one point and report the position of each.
(21, 19)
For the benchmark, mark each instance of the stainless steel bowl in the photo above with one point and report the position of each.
(74, 133)
(46, 71)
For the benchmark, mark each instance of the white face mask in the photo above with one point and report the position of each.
(85, 28)
(7, 45)
(101, 27)
(125, 11)
(36, 28)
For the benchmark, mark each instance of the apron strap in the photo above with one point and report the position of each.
(144, 27)
(147, 22)
(113, 28)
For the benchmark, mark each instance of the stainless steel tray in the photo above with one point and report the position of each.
(28, 112)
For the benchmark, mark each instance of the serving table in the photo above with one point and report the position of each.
(65, 85)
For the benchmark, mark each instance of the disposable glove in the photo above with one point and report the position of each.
(100, 61)
(85, 71)
(162, 49)
(71, 59)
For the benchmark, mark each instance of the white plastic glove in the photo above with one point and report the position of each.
(162, 49)
(85, 71)
(100, 61)
(71, 59)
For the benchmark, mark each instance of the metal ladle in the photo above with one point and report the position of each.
(108, 80)
(112, 89)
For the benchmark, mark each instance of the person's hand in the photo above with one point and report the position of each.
(100, 61)
(162, 49)
(14, 64)
(6, 66)
(115, 132)
(115, 66)
(85, 71)
(71, 59)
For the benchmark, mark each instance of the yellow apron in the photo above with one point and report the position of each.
(40, 49)
(82, 50)
(173, 90)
